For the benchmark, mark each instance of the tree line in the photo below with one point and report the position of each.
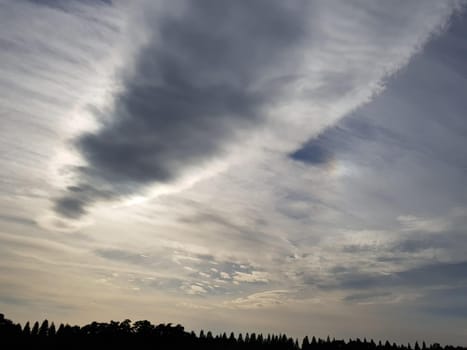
(145, 335)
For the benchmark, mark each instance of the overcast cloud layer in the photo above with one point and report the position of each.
(249, 166)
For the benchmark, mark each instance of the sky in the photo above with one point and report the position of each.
(247, 166)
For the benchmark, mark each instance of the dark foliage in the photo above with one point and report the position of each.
(144, 335)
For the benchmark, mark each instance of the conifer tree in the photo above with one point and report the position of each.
(44, 329)
(35, 329)
(305, 343)
(27, 329)
(52, 331)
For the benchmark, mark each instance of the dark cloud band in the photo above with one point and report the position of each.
(194, 88)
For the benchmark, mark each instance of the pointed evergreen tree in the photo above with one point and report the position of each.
(52, 331)
(60, 329)
(232, 339)
(314, 342)
(253, 338)
(305, 343)
(35, 329)
(240, 338)
(44, 329)
(27, 329)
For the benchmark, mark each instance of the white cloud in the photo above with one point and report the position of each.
(264, 299)
(225, 275)
(251, 277)
(195, 290)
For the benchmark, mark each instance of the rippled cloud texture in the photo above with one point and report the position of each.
(259, 166)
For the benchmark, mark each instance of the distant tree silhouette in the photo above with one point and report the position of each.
(306, 343)
(44, 329)
(27, 329)
(35, 329)
(52, 330)
(144, 335)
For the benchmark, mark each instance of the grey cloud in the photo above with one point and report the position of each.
(193, 89)
(17, 220)
(405, 151)
(412, 245)
(437, 274)
(65, 4)
(433, 275)
(70, 207)
(240, 235)
(444, 302)
(368, 296)
(312, 153)
(457, 311)
(342, 138)
(12, 300)
(31, 302)
(448, 240)
(79, 197)
(126, 256)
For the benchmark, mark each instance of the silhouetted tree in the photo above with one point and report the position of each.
(52, 331)
(35, 329)
(305, 343)
(44, 329)
(143, 335)
(27, 329)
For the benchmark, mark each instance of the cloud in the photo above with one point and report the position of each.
(192, 90)
(252, 277)
(225, 275)
(48, 75)
(445, 302)
(312, 153)
(17, 220)
(195, 289)
(372, 297)
(413, 223)
(265, 299)
(431, 275)
(66, 4)
(193, 96)
(121, 255)
(327, 231)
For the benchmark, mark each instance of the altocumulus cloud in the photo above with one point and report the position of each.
(196, 84)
